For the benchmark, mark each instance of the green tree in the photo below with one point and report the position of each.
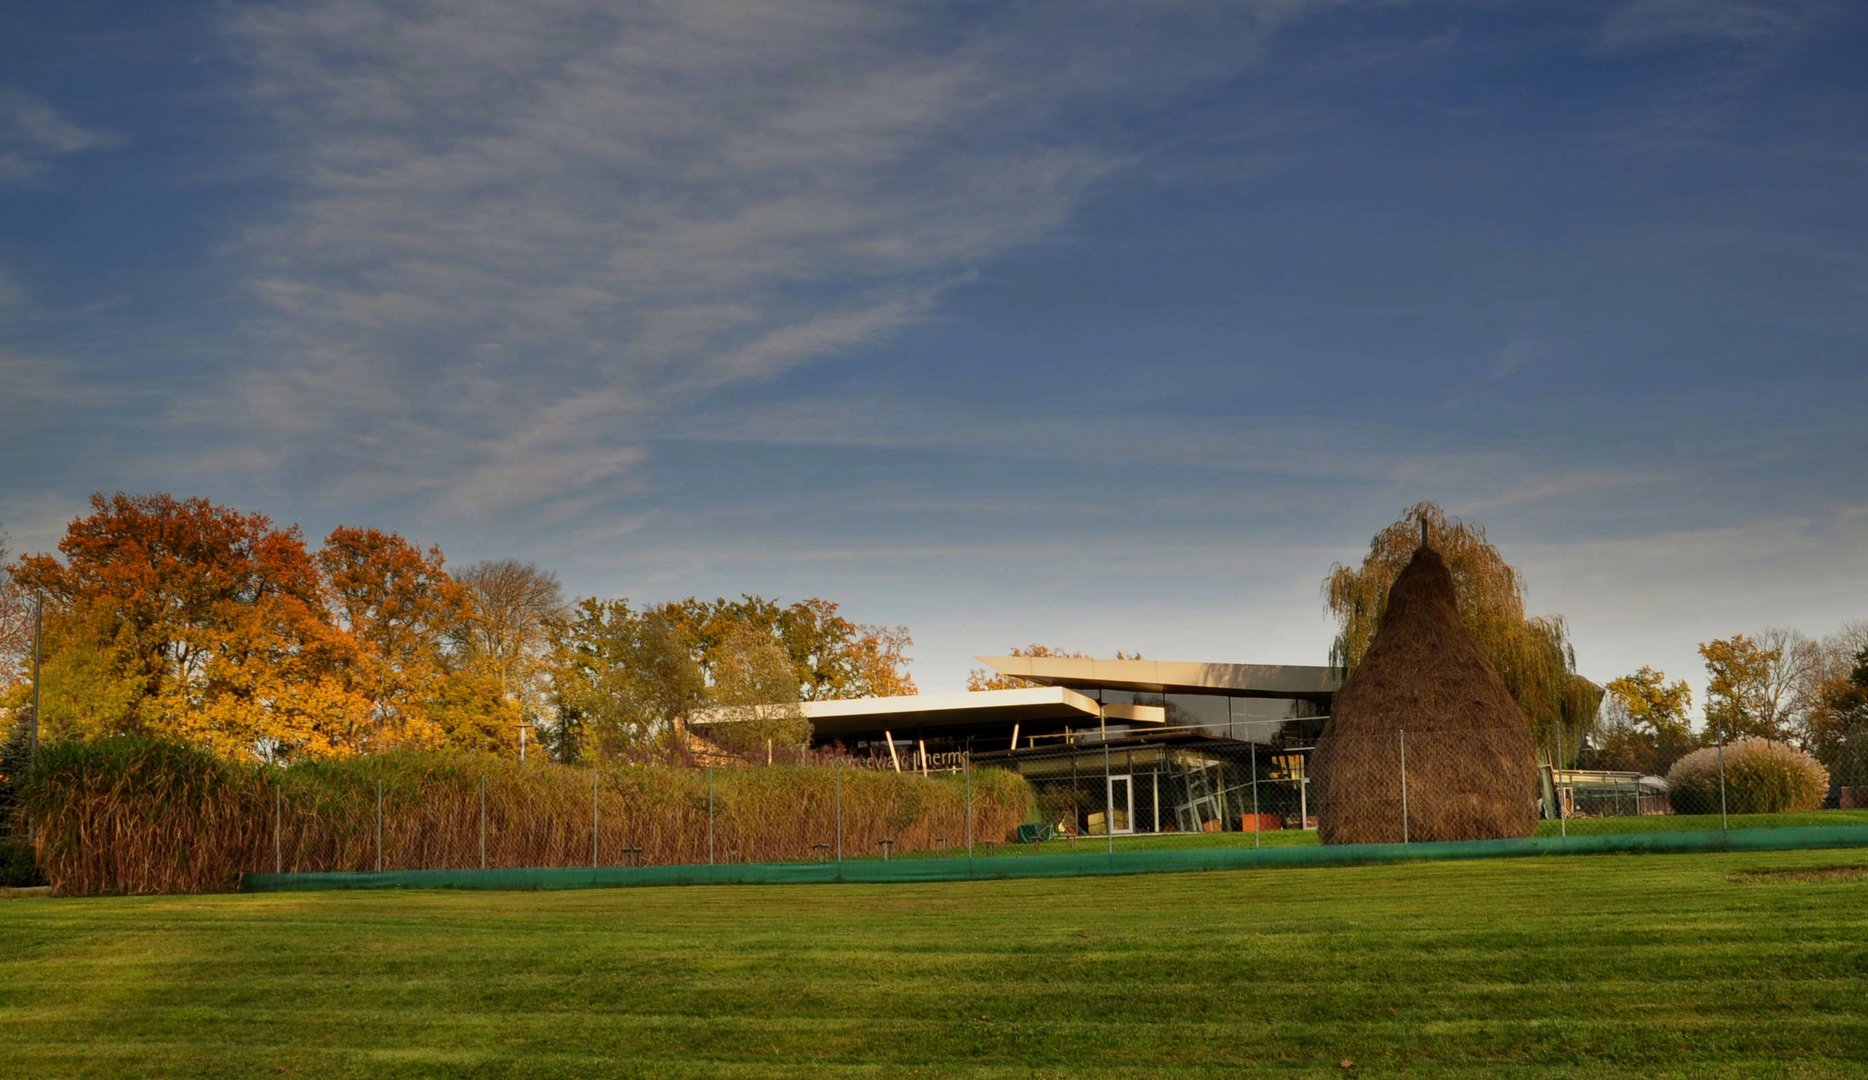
(1531, 653)
(15, 759)
(625, 682)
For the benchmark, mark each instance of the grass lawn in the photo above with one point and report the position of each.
(1654, 965)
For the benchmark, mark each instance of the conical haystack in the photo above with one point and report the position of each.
(1424, 704)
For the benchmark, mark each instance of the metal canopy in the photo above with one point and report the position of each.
(1168, 676)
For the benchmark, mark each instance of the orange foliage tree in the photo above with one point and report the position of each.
(194, 621)
(407, 619)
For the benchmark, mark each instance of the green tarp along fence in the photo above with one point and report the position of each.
(1083, 864)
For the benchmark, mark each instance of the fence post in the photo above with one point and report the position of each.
(379, 826)
(1724, 824)
(1258, 824)
(966, 763)
(1401, 738)
(1109, 802)
(710, 815)
(593, 817)
(1556, 789)
(32, 744)
(839, 815)
(483, 822)
(278, 826)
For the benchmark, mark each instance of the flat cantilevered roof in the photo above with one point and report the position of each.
(1167, 676)
(927, 712)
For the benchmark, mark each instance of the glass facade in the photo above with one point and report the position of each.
(1269, 721)
(1256, 779)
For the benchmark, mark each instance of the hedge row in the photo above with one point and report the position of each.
(146, 816)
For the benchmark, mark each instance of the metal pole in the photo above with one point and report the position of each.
(593, 819)
(710, 815)
(278, 829)
(38, 640)
(1108, 798)
(32, 738)
(966, 763)
(379, 826)
(1556, 789)
(1723, 823)
(483, 823)
(1258, 825)
(839, 775)
(1401, 738)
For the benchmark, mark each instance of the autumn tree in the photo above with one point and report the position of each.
(986, 679)
(1643, 725)
(1835, 726)
(16, 616)
(189, 620)
(754, 695)
(1532, 653)
(513, 604)
(878, 662)
(831, 655)
(1753, 684)
(404, 613)
(1791, 685)
(627, 680)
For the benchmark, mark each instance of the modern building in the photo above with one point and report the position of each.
(1118, 745)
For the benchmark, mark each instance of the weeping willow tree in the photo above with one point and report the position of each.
(1532, 653)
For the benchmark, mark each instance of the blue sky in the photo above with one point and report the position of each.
(1105, 325)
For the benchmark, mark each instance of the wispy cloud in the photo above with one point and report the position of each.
(501, 209)
(1646, 23)
(33, 134)
(34, 383)
(1511, 359)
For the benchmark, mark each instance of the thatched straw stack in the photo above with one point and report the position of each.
(1424, 694)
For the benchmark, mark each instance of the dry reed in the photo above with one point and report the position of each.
(141, 816)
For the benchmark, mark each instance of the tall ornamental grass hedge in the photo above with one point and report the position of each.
(133, 815)
(1761, 777)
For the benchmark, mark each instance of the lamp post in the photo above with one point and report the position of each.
(38, 637)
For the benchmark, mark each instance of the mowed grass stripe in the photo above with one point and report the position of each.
(1658, 965)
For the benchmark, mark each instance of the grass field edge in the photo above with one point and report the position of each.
(1077, 865)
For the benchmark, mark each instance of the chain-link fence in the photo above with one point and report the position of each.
(170, 820)
(634, 816)
(1848, 775)
(1160, 788)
